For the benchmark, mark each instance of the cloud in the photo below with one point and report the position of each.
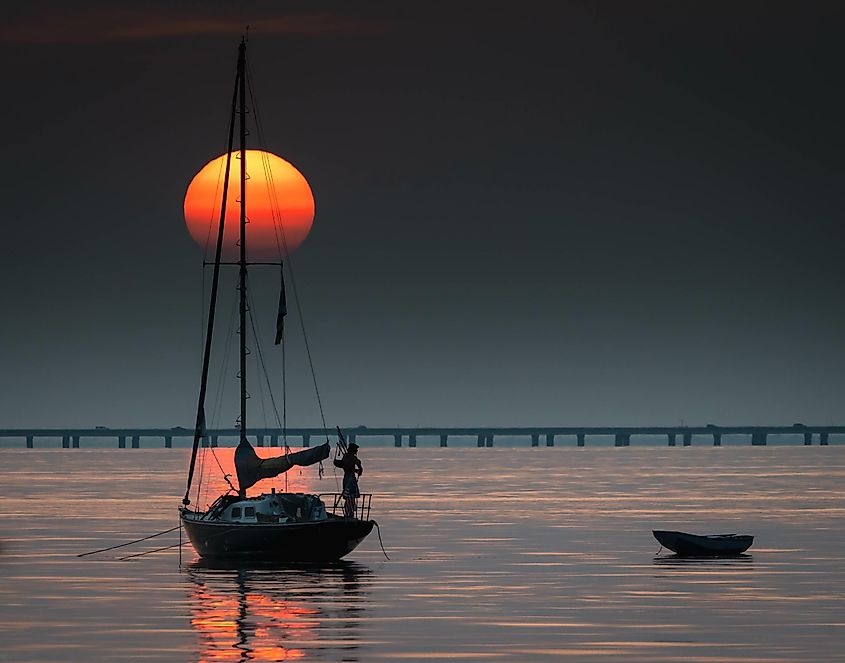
(114, 24)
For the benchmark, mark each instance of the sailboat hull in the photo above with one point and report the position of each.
(306, 542)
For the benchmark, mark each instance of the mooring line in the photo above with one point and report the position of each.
(378, 531)
(155, 550)
(122, 545)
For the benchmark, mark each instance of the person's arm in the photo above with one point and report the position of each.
(338, 463)
(359, 467)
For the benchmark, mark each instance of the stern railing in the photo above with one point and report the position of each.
(336, 505)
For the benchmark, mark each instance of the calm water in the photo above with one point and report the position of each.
(497, 554)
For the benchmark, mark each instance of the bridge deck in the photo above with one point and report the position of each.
(484, 434)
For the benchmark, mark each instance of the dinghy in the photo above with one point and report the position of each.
(711, 545)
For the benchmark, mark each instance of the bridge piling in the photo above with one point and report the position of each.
(535, 440)
(823, 439)
(808, 439)
(121, 441)
(480, 440)
(397, 440)
(489, 440)
(671, 439)
(306, 440)
(717, 439)
(758, 439)
(622, 440)
(444, 440)
(136, 441)
(580, 438)
(213, 440)
(259, 440)
(550, 440)
(65, 441)
(168, 442)
(412, 440)
(30, 442)
(75, 439)
(687, 439)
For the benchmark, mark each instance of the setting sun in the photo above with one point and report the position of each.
(267, 174)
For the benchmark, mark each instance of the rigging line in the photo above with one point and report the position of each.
(222, 471)
(278, 226)
(261, 398)
(129, 543)
(224, 368)
(261, 362)
(201, 419)
(275, 210)
(212, 213)
(285, 406)
(218, 403)
(263, 365)
(204, 486)
(285, 396)
(206, 292)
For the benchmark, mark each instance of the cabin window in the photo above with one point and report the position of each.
(249, 512)
(236, 512)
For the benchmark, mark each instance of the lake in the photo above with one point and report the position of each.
(501, 554)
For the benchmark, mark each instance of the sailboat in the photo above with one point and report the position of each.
(274, 526)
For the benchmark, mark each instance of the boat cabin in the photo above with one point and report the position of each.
(268, 508)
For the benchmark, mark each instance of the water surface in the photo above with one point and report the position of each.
(497, 554)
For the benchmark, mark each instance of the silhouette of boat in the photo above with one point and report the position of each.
(274, 526)
(711, 545)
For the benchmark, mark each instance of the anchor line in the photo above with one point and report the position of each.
(122, 545)
(149, 552)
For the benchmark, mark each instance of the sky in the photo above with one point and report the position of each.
(533, 213)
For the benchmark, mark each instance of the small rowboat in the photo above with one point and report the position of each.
(712, 545)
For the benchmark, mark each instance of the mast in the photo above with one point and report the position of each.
(242, 260)
(199, 428)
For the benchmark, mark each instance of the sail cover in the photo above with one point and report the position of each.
(251, 469)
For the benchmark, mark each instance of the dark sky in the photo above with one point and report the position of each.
(527, 213)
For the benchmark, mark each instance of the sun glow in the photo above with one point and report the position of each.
(279, 206)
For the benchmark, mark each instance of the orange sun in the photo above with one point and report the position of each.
(273, 185)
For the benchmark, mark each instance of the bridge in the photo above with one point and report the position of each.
(484, 436)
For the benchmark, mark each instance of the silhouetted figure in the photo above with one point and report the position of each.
(352, 469)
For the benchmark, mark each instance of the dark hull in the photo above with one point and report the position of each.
(693, 545)
(308, 542)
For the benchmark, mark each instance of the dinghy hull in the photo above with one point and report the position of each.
(694, 545)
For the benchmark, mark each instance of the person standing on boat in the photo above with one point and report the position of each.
(352, 469)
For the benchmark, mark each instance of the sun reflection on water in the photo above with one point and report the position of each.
(261, 613)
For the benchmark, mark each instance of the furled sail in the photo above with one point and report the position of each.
(251, 469)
